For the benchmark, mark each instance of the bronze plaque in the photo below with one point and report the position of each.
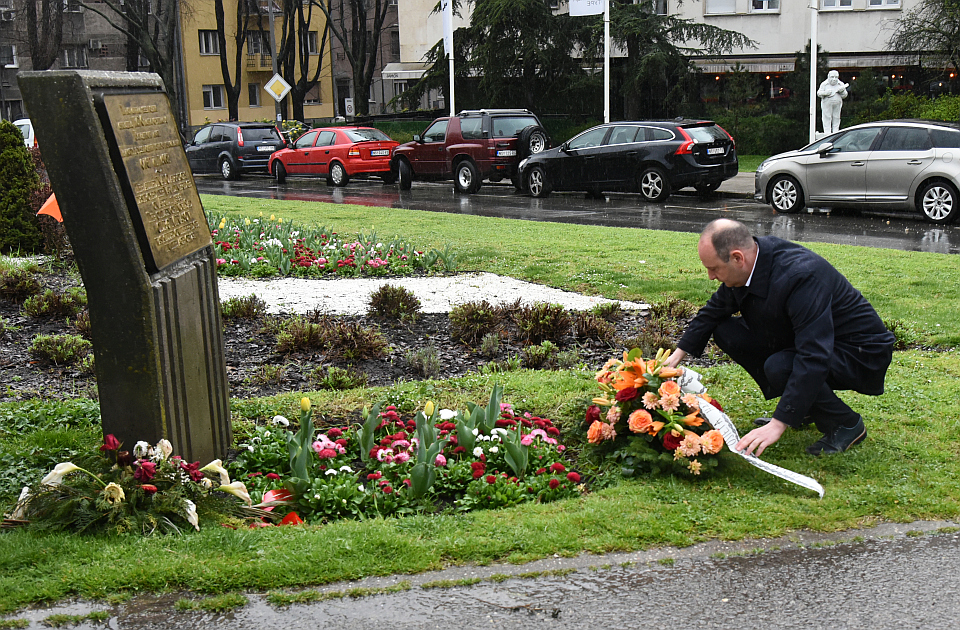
(159, 175)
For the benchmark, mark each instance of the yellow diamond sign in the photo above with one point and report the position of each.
(277, 87)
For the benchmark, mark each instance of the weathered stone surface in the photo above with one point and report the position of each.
(130, 207)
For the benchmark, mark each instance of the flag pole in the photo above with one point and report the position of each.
(606, 61)
(448, 46)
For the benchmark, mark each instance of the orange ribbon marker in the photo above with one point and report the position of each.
(52, 208)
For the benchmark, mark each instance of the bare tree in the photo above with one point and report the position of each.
(357, 25)
(298, 44)
(244, 18)
(43, 26)
(932, 26)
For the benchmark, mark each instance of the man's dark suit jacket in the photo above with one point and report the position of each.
(797, 301)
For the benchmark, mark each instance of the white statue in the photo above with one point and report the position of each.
(831, 93)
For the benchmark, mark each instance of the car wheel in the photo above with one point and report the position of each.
(707, 187)
(280, 171)
(537, 182)
(785, 194)
(466, 179)
(404, 175)
(939, 202)
(532, 139)
(653, 184)
(338, 175)
(227, 170)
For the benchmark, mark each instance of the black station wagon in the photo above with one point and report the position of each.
(232, 148)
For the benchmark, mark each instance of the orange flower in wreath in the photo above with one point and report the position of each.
(640, 421)
(692, 420)
(669, 388)
(670, 372)
(595, 432)
(711, 442)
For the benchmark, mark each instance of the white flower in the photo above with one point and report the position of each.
(165, 448)
(346, 469)
(113, 493)
(266, 434)
(55, 476)
(331, 471)
(216, 466)
(206, 483)
(239, 490)
(494, 449)
(280, 421)
(140, 449)
(478, 451)
(250, 447)
(360, 487)
(21, 507)
(191, 510)
(317, 497)
(497, 431)
(447, 414)
(476, 431)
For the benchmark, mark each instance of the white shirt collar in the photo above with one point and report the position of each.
(754, 266)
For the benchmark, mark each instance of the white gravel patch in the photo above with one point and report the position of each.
(436, 294)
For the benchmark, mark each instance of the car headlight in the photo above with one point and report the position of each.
(763, 165)
(523, 163)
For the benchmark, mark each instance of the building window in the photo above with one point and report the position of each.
(208, 43)
(213, 97)
(72, 6)
(758, 6)
(884, 3)
(399, 87)
(837, 4)
(660, 7)
(720, 6)
(395, 44)
(73, 57)
(253, 90)
(313, 43)
(255, 43)
(8, 56)
(312, 97)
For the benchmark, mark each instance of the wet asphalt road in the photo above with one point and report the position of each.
(682, 212)
(889, 577)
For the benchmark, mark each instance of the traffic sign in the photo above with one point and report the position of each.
(277, 88)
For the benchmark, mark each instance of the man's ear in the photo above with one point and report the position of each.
(737, 257)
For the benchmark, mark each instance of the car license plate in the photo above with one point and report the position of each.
(715, 151)
(507, 153)
(379, 152)
(265, 148)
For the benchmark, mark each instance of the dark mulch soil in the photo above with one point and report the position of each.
(254, 367)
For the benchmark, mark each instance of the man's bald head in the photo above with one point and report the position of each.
(727, 235)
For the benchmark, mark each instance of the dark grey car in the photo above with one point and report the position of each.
(896, 164)
(232, 148)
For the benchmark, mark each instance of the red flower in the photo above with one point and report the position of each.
(110, 443)
(593, 415)
(540, 471)
(671, 441)
(124, 459)
(554, 484)
(388, 489)
(149, 489)
(341, 442)
(146, 471)
(478, 469)
(491, 479)
(716, 404)
(554, 431)
(574, 477)
(374, 476)
(273, 476)
(334, 433)
(627, 393)
(459, 450)
(557, 467)
(191, 469)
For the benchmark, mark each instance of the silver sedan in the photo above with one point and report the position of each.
(896, 164)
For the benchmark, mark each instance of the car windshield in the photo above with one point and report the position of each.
(710, 133)
(510, 126)
(24, 129)
(260, 134)
(366, 135)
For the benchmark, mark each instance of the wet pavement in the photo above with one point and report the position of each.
(683, 211)
(891, 576)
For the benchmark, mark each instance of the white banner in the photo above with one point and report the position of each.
(689, 382)
(448, 27)
(586, 7)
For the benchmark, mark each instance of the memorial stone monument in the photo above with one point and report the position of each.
(143, 247)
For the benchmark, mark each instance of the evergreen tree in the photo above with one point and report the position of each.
(19, 228)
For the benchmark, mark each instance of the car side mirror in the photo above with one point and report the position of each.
(825, 148)
(418, 139)
(564, 147)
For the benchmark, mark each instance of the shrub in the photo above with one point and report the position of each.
(542, 322)
(248, 307)
(568, 359)
(673, 308)
(59, 349)
(425, 361)
(587, 326)
(267, 373)
(395, 303)
(469, 322)
(490, 345)
(337, 378)
(904, 335)
(299, 335)
(18, 284)
(19, 228)
(81, 324)
(610, 311)
(649, 340)
(354, 341)
(540, 356)
(58, 304)
(86, 365)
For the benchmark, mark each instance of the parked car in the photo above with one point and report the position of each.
(26, 128)
(651, 157)
(337, 153)
(470, 147)
(896, 164)
(232, 148)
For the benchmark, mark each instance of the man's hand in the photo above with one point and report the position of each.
(675, 358)
(760, 439)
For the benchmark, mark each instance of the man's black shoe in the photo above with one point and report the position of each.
(762, 422)
(840, 440)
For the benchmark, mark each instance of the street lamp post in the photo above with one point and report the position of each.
(814, 23)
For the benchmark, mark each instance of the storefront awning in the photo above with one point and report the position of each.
(404, 71)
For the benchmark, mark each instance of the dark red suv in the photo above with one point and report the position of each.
(470, 147)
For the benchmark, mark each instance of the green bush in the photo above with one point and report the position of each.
(542, 322)
(248, 307)
(50, 302)
(19, 284)
(60, 349)
(19, 228)
(394, 303)
(471, 321)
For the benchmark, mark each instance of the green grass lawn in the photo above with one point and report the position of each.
(907, 469)
(749, 163)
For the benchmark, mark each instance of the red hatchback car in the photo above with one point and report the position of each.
(338, 153)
